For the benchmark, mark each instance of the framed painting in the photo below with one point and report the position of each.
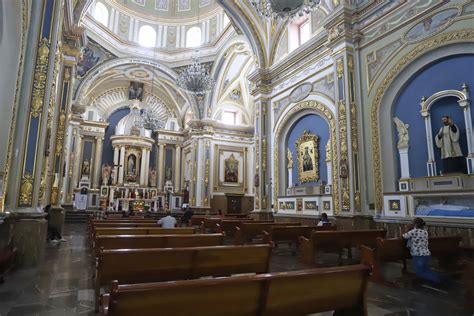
(308, 157)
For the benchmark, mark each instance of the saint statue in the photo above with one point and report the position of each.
(307, 160)
(289, 155)
(447, 140)
(152, 177)
(131, 165)
(106, 170)
(402, 130)
(168, 174)
(86, 168)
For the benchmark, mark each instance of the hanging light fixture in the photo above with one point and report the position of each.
(195, 77)
(283, 9)
(147, 117)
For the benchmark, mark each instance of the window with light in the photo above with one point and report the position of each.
(229, 117)
(193, 37)
(147, 36)
(101, 13)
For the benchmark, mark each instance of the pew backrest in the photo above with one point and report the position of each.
(143, 231)
(295, 293)
(346, 238)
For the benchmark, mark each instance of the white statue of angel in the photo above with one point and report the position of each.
(402, 130)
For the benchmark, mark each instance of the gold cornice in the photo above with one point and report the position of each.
(423, 47)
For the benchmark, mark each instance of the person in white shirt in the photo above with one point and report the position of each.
(417, 241)
(168, 221)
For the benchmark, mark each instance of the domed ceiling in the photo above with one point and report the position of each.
(170, 11)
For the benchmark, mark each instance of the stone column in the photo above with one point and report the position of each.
(160, 167)
(121, 165)
(116, 163)
(147, 165)
(142, 167)
(177, 169)
(97, 162)
(77, 160)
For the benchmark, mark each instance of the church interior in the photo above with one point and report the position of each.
(236, 157)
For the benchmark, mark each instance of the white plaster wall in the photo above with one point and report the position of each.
(10, 44)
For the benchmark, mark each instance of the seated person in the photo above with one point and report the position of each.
(324, 221)
(188, 214)
(168, 221)
(417, 241)
(53, 233)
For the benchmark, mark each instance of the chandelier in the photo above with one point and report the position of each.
(195, 78)
(147, 119)
(283, 9)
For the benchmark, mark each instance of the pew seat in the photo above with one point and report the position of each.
(165, 264)
(295, 293)
(336, 242)
(445, 249)
(276, 235)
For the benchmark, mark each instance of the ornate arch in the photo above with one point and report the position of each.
(426, 46)
(295, 111)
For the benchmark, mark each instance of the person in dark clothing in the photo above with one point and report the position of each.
(53, 234)
(186, 216)
(324, 220)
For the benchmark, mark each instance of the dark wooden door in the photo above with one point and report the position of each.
(234, 204)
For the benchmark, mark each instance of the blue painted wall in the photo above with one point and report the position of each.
(108, 151)
(443, 74)
(317, 125)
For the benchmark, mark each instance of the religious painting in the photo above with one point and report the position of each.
(308, 157)
(104, 191)
(162, 5)
(310, 205)
(299, 205)
(135, 91)
(394, 205)
(91, 55)
(231, 170)
(431, 25)
(282, 205)
(290, 205)
(326, 205)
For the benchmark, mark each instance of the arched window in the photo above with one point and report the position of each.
(193, 37)
(147, 36)
(101, 13)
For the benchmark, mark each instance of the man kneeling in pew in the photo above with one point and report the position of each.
(168, 221)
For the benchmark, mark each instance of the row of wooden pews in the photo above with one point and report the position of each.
(158, 273)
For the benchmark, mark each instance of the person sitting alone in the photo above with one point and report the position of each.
(324, 221)
(53, 233)
(417, 241)
(168, 221)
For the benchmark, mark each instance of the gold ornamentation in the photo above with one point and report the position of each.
(339, 68)
(54, 196)
(40, 76)
(328, 115)
(26, 190)
(307, 148)
(420, 49)
(328, 151)
(60, 134)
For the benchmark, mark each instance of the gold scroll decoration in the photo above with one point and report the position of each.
(39, 82)
(308, 157)
(26, 191)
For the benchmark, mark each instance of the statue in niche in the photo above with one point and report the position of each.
(447, 140)
(328, 151)
(402, 130)
(289, 156)
(131, 165)
(152, 177)
(168, 174)
(86, 168)
(106, 171)
(307, 160)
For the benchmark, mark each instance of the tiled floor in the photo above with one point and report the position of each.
(62, 285)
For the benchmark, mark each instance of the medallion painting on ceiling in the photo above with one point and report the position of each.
(308, 157)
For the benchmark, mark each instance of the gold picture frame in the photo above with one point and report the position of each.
(308, 157)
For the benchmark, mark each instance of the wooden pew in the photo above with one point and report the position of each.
(336, 242)
(248, 231)
(155, 241)
(152, 265)
(290, 234)
(209, 224)
(143, 231)
(445, 249)
(295, 293)
(229, 226)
